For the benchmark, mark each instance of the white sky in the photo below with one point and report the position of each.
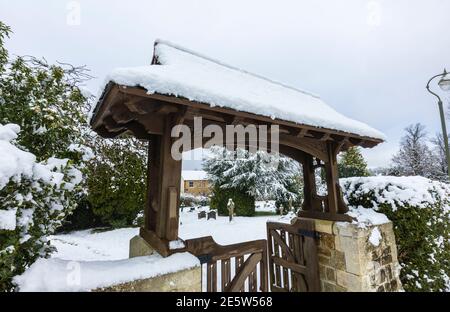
(368, 59)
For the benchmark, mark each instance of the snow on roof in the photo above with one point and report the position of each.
(194, 175)
(184, 73)
(50, 275)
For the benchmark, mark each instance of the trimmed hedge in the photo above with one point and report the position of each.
(244, 204)
(419, 210)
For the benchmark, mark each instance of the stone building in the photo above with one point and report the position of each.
(195, 182)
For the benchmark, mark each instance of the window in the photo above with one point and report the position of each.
(191, 183)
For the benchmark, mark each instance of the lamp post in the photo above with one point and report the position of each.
(444, 84)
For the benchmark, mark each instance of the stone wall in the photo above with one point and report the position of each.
(354, 258)
(188, 280)
(182, 281)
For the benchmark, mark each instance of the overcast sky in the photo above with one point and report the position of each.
(370, 60)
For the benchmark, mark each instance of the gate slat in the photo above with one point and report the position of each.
(270, 253)
(284, 256)
(214, 276)
(294, 279)
(223, 272)
(277, 267)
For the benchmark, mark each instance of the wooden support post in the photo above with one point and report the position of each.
(309, 187)
(336, 203)
(164, 179)
(312, 207)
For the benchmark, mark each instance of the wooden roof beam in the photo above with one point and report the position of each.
(326, 137)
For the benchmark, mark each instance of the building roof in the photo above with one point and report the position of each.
(194, 175)
(179, 72)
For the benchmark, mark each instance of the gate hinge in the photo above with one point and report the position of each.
(308, 233)
(205, 258)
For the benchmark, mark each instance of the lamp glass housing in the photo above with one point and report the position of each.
(444, 83)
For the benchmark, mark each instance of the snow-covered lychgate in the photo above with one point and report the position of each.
(181, 86)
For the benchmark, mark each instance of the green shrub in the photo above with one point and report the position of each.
(244, 204)
(81, 218)
(419, 210)
(116, 180)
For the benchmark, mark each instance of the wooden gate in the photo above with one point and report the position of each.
(293, 262)
(243, 266)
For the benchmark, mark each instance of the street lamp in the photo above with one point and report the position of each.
(444, 84)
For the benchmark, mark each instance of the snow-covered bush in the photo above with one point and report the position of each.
(419, 209)
(189, 200)
(34, 199)
(245, 176)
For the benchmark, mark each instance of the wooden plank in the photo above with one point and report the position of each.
(239, 261)
(275, 288)
(209, 277)
(287, 255)
(276, 253)
(214, 276)
(159, 244)
(294, 279)
(309, 185)
(225, 273)
(270, 253)
(290, 265)
(253, 282)
(331, 179)
(207, 245)
(263, 272)
(228, 273)
(172, 214)
(311, 259)
(298, 245)
(247, 268)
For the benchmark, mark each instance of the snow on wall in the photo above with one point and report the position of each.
(365, 217)
(51, 275)
(184, 73)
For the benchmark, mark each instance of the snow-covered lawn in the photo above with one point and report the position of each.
(90, 259)
(91, 245)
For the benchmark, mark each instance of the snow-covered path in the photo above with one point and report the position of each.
(113, 245)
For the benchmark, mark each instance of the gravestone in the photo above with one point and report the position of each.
(202, 215)
(212, 215)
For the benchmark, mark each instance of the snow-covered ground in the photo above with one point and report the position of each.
(91, 259)
(265, 206)
(91, 245)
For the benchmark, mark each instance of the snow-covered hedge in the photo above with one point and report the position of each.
(190, 200)
(419, 209)
(34, 199)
